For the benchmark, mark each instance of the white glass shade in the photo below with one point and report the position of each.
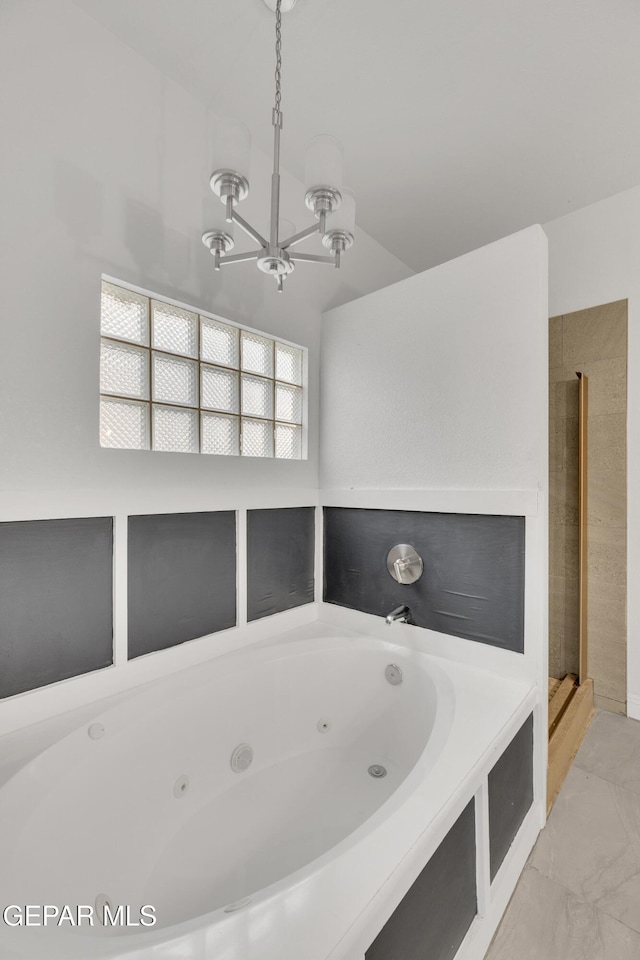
(213, 215)
(323, 164)
(230, 146)
(345, 216)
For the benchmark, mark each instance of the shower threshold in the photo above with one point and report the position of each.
(570, 713)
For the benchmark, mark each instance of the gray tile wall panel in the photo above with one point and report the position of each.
(473, 580)
(56, 604)
(432, 919)
(510, 793)
(280, 560)
(182, 578)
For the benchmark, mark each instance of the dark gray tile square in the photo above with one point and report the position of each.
(473, 580)
(280, 560)
(182, 578)
(56, 605)
(510, 793)
(432, 919)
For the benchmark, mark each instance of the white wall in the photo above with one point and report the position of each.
(434, 397)
(594, 258)
(104, 167)
(438, 381)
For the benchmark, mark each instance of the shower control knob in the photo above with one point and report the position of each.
(404, 564)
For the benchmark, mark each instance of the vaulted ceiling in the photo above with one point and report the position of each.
(461, 120)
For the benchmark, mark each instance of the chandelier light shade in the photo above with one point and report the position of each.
(323, 163)
(232, 141)
(215, 219)
(324, 197)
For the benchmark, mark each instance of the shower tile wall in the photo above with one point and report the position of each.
(594, 342)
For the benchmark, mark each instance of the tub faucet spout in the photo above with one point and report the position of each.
(403, 614)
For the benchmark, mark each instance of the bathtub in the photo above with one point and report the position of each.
(254, 807)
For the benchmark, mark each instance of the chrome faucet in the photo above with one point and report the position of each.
(403, 614)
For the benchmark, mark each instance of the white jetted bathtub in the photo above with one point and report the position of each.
(257, 803)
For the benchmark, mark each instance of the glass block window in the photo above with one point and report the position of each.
(174, 329)
(176, 380)
(124, 314)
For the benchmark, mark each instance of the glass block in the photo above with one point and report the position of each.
(124, 369)
(288, 403)
(288, 441)
(219, 343)
(288, 364)
(220, 434)
(174, 329)
(257, 396)
(174, 380)
(257, 438)
(124, 314)
(257, 354)
(175, 429)
(219, 389)
(124, 424)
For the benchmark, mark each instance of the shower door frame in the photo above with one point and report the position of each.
(583, 439)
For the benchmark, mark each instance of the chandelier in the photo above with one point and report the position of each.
(332, 205)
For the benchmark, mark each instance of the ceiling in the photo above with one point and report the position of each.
(462, 121)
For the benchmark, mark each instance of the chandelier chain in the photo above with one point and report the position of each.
(278, 55)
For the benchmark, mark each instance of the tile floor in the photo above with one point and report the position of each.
(579, 895)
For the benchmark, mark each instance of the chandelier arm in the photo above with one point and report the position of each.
(253, 233)
(311, 258)
(299, 237)
(274, 257)
(240, 257)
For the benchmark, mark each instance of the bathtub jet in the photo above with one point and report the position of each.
(377, 771)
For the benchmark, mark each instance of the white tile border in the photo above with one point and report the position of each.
(518, 503)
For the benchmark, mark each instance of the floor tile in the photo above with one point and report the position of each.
(591, 843)
(624, 903)
(611, 749)
(579, 896)
(546, 922)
